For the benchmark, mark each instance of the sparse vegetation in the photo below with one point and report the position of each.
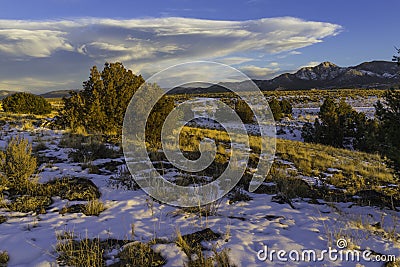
(302, 173)
(123, 179)
(17, 166)
(76, 251)
(79, 252)
(140, 255)
(361, 171)
(191, 246)
(86, 153)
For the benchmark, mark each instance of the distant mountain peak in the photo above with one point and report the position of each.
(326, 75)
(327, 64)
(324, 71)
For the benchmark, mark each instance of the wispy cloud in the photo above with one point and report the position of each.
(256, 72)
(311, 64)
(234, 60)
(151, 44)
(32, 82)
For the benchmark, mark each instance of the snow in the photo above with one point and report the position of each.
(30, 239)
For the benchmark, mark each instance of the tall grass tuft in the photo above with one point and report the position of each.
(83, 252)
(94, 208)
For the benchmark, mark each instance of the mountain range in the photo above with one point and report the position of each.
(374, 74)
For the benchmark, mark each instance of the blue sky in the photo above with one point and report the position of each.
(51, 44)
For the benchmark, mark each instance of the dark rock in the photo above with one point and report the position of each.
(273, 217)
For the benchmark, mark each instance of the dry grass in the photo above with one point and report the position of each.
(94, 208)
(74, 250)
(81, 252)
(27, 203)
(140, 255)
(358, 170)
(191, 246)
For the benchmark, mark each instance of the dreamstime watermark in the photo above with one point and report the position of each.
(193, 74)
(330, 254)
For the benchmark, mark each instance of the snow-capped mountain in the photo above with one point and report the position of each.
(375, 74)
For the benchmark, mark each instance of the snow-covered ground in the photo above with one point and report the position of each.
(245, 227)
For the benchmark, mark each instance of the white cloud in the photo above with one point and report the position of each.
(310, 64)
(189, 36)
(35, 85)
(234, 60)
(256, 72)
(33, 43)
(151, 44)
(290, 53)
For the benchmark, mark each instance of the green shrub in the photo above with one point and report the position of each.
(4, 258)
(18, 164)
(244, 111)
(276, 109)
(286, 107)
(26, 103)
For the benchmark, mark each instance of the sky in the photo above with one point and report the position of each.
(52, 44)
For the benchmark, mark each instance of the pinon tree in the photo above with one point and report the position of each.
(337, 123)
(388, 116)
(101, 105)
(276, 109)
(397, 58)
(26, 103)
